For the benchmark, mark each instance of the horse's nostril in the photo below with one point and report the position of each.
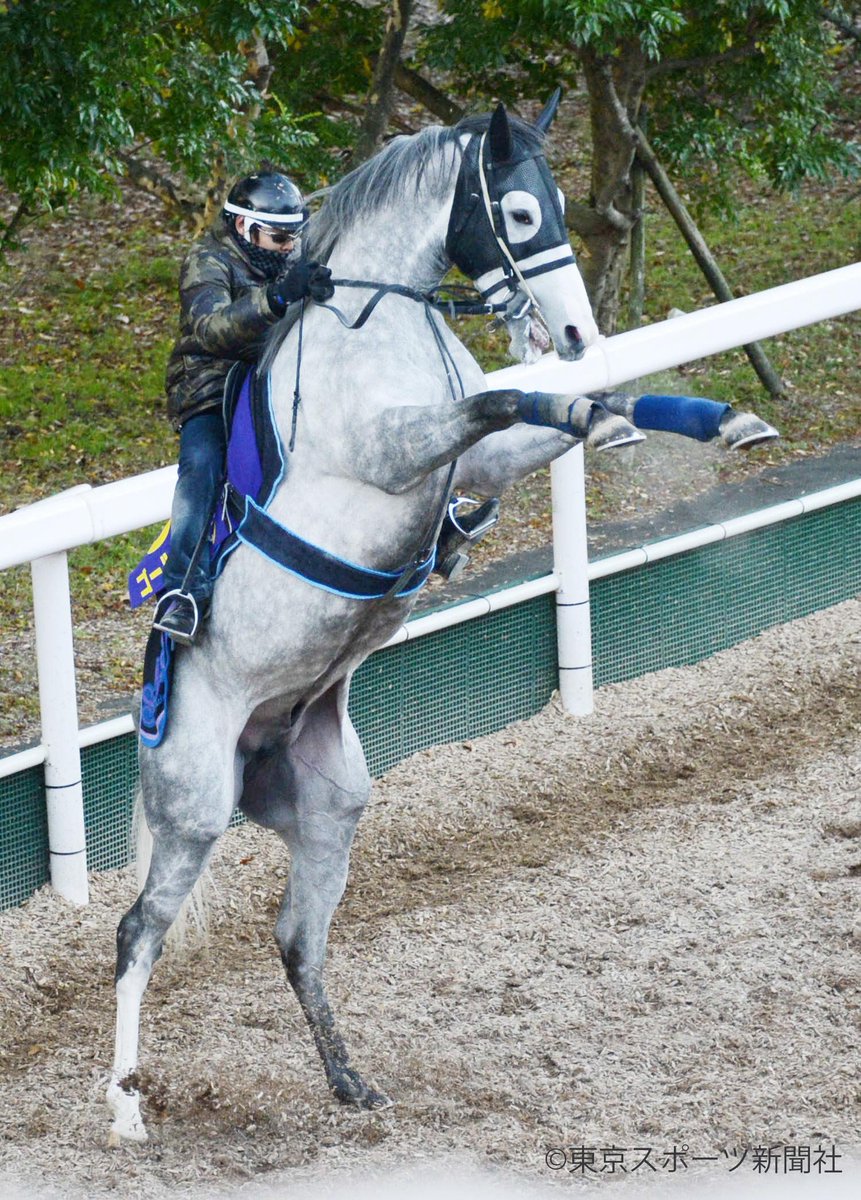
(576, 345)
(573, 335)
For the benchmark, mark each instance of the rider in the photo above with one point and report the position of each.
(236, 281)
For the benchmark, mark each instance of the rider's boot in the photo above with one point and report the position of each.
(178, 615)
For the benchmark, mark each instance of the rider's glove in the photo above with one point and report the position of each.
(304, 279)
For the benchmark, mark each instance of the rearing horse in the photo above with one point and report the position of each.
(377, 427)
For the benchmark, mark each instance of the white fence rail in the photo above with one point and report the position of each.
(41, 534)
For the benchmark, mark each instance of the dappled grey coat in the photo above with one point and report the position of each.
(224, 317)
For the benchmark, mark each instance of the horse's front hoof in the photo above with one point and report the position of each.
(128, 1123)
(742, 431)
(351, 1089)
(608, 431)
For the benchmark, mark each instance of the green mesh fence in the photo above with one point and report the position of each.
(679, 610)
(460, 682)
(476, 677)
(110, 774)
(23, 836)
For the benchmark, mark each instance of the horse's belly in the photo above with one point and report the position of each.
(283, 649)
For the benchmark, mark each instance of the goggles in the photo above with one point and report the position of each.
(279, 235)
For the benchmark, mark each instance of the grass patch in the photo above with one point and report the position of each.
(772, 241)
(89, 319)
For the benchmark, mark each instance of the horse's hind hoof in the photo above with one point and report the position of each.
(128, 1124)
(351, 1089)
(742, 431)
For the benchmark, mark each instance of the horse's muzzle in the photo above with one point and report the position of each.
(573, 347)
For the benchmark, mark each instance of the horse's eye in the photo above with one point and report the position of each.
(522, 217)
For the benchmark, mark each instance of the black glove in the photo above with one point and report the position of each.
(304, 279)
(320, 283)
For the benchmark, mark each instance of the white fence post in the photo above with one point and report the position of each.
(64, 795)
(571, 566)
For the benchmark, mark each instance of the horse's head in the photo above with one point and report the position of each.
(507, 233)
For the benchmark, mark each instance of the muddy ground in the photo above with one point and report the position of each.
(637, 930)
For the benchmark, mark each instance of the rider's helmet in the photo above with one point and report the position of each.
(267, 198)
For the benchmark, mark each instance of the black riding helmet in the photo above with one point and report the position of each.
(273, 200)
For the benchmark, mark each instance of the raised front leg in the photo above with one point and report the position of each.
(313, 793)
(691, 416)
(430, 436)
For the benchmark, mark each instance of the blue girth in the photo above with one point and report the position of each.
(322, 569)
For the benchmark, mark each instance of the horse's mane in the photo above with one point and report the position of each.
(402, 167)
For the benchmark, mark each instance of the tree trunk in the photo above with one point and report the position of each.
(381, 97)
(259, 71)
(605, 223)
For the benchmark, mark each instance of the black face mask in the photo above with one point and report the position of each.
(270, 263)
(471, 241)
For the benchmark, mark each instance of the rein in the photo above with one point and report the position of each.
(454, 307)
(430, 300)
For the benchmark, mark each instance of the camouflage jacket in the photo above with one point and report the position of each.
(224, 316)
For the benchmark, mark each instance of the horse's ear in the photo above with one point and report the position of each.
(548, 113)
(499, 136)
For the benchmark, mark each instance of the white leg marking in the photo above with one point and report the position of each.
(124, 1102)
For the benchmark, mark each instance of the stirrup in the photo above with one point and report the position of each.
(178, 615)
(461, 530)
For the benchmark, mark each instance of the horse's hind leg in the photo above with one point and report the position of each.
(188, 808)
(313, 793)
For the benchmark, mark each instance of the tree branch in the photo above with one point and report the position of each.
(9, 231)
(702, 254)
(422, 90)
(842, 24)
(146, 177)
(337, 104)
(259, 72)
(735, 54)
(381, 95)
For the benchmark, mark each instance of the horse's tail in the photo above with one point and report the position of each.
(191, 926)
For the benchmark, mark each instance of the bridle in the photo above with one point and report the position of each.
(476, 242)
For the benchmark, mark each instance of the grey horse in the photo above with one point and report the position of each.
(390, 414)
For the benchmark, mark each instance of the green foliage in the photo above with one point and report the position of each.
(324, 71)
(729, 83)
(81, 80)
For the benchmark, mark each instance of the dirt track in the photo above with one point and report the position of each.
(637, 930)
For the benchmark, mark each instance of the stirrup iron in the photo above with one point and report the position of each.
(461, 530)
(169, 604)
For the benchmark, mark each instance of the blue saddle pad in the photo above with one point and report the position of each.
(157, 675)
(254, 466)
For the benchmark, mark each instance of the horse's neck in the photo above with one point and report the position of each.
(393, 249)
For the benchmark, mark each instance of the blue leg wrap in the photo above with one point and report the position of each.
(690, 416)
(542, 408)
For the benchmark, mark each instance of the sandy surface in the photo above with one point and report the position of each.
(638, 930)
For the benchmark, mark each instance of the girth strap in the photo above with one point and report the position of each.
(322, 569)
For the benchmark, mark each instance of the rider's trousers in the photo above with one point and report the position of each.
(202, 447)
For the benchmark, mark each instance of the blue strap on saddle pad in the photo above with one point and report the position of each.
(157, 675)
